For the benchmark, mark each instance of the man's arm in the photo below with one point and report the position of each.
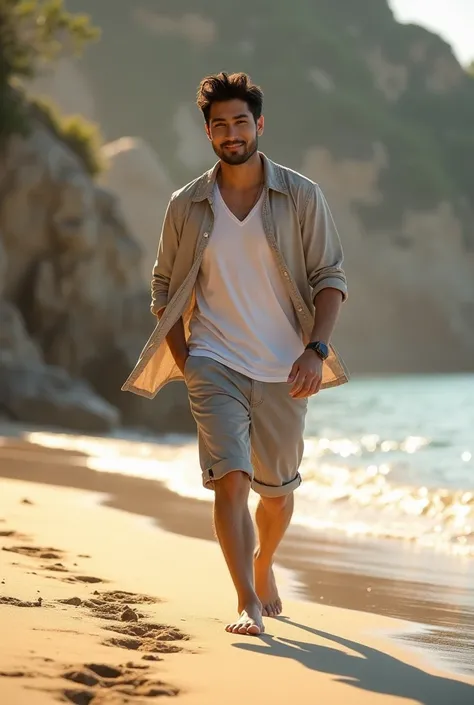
(328, 304)
(324, 257)
(322, 247)
(160, 282)
(163, 267)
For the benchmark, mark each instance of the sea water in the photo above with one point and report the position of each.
(384, 457)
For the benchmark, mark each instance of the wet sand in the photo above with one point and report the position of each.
(332, 574)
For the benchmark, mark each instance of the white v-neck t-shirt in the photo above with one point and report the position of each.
(244, 317)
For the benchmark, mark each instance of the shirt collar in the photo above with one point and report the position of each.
(272, 175)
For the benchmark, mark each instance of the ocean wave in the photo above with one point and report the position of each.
(364, 502)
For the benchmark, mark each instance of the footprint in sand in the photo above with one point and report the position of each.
(135, 634)
(84, 579)
(11, 534)
(56, 567)
(52, 554)
(14, 602)
(129, 598)
(92, 682)
(101, 681)
(150, 638)
(114, 605)
(35, 552)
(121, 683)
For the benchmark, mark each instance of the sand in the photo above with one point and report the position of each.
(98, 605)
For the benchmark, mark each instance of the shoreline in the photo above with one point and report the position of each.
(69, 635)
(98, 605)
(437, 623)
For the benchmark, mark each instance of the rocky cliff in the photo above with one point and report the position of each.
(379, 113)
(73, 305)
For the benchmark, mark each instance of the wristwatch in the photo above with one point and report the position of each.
(321, 349)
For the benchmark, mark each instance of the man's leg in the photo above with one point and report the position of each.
(220, 403)
(273, 516)
(234, 530)
(277, 434)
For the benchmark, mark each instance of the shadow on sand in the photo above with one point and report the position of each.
(376, 671)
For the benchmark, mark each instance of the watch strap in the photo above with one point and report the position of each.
(320, 348)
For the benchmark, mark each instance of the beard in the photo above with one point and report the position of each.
(240, 156)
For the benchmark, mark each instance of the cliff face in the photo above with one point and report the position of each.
(379, 113)
(73, 307)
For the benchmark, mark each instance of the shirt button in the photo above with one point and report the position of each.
(206, 235)
(300, 309)
(286, 274)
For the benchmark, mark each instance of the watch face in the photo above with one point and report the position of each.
(323, 349)
(320, 348)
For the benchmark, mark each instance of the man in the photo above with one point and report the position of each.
(247, 287)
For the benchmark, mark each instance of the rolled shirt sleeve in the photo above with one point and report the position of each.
(163, 267)
(322, 246)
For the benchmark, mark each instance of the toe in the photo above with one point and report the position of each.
(254, 629)
(244, 628)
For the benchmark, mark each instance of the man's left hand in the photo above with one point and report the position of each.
(306, 375)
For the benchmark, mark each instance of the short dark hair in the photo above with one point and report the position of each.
(236, 86)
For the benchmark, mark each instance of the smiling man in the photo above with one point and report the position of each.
(247, 287)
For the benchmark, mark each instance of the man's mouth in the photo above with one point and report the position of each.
(233, 146)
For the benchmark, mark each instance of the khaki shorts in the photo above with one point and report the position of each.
(246, 425)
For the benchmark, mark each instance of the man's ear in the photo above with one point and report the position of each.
(208, 132)
(260, 125)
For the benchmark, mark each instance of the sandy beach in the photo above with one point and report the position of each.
(99, 604)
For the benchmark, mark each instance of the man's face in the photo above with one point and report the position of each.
(233, 132)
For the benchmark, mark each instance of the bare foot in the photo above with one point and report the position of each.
(266, 589)
(250, 621)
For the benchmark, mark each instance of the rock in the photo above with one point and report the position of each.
(168, 412)
(49, 396)
(15, 344)
(3, 265)
(137, 176)
(72, 290)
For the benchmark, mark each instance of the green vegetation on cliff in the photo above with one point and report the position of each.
(81, 136)
(33, 32)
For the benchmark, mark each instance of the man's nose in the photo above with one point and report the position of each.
(232, 132)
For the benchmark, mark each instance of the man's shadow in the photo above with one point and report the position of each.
(370, 669)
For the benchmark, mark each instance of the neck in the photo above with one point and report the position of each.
(242, 176)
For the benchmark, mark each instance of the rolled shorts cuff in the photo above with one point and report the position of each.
(224, 467)
(276, 490)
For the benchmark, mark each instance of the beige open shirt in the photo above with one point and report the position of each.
(301, 233)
